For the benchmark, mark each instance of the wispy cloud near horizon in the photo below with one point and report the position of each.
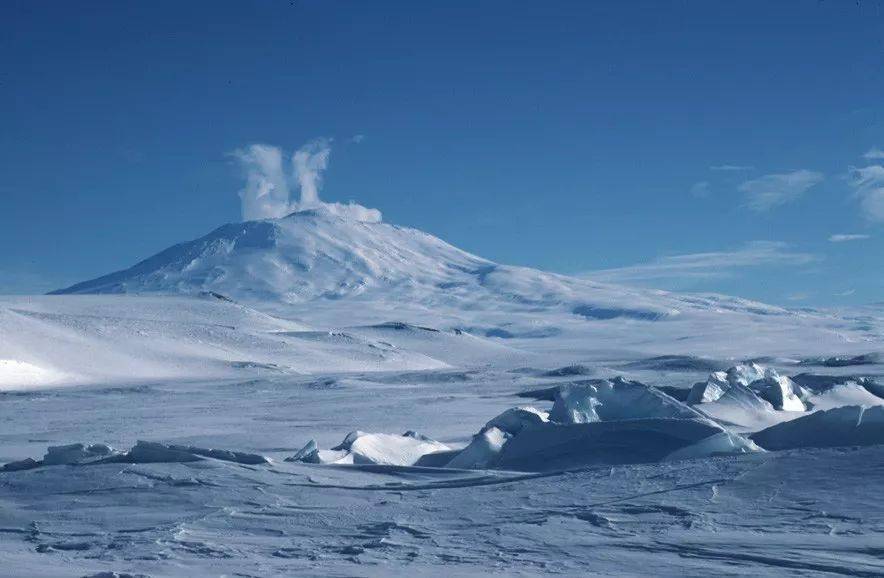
(705, 266)
(771, 191)
(868, 182)
(874, 154)
(844, 237)
(731, 168)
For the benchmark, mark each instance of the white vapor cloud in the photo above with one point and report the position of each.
(310, 161)
(731, 168)
(868, 182)
(705, 266)
(844, 237)
(770, 191)
(267, 193)
(874, 154)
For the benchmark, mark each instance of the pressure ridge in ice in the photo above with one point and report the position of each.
(618, 421)
(592, 422)
(143, 452)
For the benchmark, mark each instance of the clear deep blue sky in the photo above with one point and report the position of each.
(570, 136)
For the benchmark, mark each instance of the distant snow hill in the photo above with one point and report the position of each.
(329, 271)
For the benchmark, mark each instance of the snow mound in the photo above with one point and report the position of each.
(569, 446)
(482, 452)
(831, 391)
(514, 420)
(852, 425)
(485, 447)
(724, 443)
(614, 399)
(373, 448)
(848, 393)
(17, 374)
(820, 385)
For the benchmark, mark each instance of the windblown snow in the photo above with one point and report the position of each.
(326, 394)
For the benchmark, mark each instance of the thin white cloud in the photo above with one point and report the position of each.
(731, 168)
(844, 237)
(771, 191)
(874, 154)
(868, 182)
(357, 138)
(705, 266)
(846, 293)
(700, 189)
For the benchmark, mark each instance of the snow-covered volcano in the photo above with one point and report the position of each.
(311, 254)
(330, 268)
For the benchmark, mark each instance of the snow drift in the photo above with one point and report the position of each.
(373, 448)
(851, 425)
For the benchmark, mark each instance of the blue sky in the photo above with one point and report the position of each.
(710, 146)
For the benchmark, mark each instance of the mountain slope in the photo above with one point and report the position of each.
(332, 271)
(307, 255)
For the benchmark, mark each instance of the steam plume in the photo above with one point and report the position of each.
(267, 192)
(309, 162)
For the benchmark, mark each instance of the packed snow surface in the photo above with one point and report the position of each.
(189, 416)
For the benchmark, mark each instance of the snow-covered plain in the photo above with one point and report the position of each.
(212, 385)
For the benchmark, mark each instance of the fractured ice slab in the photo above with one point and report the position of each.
(614, 399)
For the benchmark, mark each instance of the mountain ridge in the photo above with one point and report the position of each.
(329, 270)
